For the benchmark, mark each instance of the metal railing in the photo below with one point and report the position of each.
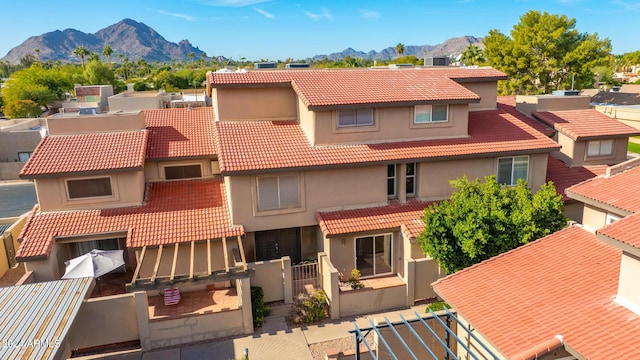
(304, 274)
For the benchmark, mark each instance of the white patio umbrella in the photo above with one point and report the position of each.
(95, 263)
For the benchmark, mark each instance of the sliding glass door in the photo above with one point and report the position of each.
(373, 255)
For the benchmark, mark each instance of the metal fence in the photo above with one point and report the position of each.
(304, 274)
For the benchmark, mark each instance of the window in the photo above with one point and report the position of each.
(611, 219)
(391, 181)
(182, 172)
(411, 179)
(89, 188)
(600, 148)
(512, 168)
(278, 192)
(430, 113)
(373, 254)
(356, 117)
(24, 156)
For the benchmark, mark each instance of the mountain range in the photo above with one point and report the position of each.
(136, 40)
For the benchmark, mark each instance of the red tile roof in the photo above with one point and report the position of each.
(331, 87)
(265, 145)
(585, 124)
(97, 152)
(563, 284)
(508, 104)
(173, 212)
(619, 190)
(180, 133)
(625, 230)
(564, 177)
(395, 215)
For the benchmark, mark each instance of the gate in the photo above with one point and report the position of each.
(304, 274)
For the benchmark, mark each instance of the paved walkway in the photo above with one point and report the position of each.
(274, 341)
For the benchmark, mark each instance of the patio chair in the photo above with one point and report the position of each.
(171, 296)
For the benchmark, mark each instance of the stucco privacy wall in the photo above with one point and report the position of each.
(530, 103)
(12, 143)
(488, 92)
(10, 170)
(13, 231)
(269, 103)
(274, 277)
(127, 188)
(61, 124)
(131, 101)
(362, 301)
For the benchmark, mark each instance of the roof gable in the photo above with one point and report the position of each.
(619, 190)
(585, 124)
(179, 133)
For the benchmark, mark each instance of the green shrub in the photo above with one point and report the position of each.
(310, 309)
(437, 306)
(257, 306)
(141, 86)
(354, 279)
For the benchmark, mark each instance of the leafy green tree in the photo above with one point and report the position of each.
(18, 109)
(472, 55)
(38, 85)
(484, 219)
(98, 73)
(81, 52)
(400, 49)
(37, 51)
(543, 53)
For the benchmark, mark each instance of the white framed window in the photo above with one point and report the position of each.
(410, 179)
(355, 117)
(374, 254)
(510, 169)
(600, 148)
(88, 188)
(424, 114)
(190, 171)
(611, 219)
(391, 181)
(278, 192)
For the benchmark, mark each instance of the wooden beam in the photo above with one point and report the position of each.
(193, 245)
(175, 260)
(157, 265)
(224, 254)
(137, 272)
(209, 256)
(244, 260)
(198, 279)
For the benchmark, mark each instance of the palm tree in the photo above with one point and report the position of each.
(400, 49)
(81, 52)
(472, 55)
(191, 56)
(107, 51)
(37, 51)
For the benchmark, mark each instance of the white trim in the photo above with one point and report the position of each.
(610, 219)
(166, 165)
(355, 254)
(110, 177)
(630, 305)
(513, 182)
(423, 110)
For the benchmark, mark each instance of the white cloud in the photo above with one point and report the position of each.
(266, 14)
(178, 15)
(235, 3)
(628, 6)
(324, 13)
(370, 14)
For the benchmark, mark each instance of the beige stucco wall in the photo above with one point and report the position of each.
(625, 114)
(154, 170)
(127, 188)
(129, 101)
(10, 170)
(488, 92)
(390, 123)
(61, 124)
(594, 218)
(530, 103)
(51, 268)
(273, 103)
(367, 300)
(14, 232)
(426, 272)
(575, 152)
(11, 143)
(269, 276)
(21, 124)
(105, 320)
(628, 287)
(321, 189)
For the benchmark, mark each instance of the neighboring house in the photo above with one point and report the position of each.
(146, 100)
(18, 139)
(89, 98)
(573, 293)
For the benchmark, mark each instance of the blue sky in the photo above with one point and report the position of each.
(278, 29)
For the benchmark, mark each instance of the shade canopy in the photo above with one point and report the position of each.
(95, 263)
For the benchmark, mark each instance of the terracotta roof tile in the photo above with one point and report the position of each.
(625, 230)
(264, 145)
(508, 104)
(563, 284)
(395, 215)
(585, 124)
(180, 133)
(564, 177)
(331, 87)
(97, 152)
(619, 190)
(173, 212)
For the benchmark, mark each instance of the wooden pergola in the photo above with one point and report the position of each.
(162, 277)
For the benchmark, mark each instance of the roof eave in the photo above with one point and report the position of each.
(596, 203)
(81, 173)
(392, 104)
(478, 79)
